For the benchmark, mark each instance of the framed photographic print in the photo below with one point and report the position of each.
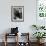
(41, 8)
(17, 13)
(41, 12)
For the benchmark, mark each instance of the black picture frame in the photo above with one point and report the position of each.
(17, 13)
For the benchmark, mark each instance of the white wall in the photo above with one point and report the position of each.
(29, 15)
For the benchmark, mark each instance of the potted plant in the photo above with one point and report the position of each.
(35, 26)
(38, 27)
(39, 35)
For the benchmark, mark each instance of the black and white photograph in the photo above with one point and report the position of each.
(17, 13)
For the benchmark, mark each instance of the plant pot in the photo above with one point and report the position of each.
(40, 41)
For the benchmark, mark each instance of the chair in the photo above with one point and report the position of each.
(7, 35)
(26, 41)
(14, 32)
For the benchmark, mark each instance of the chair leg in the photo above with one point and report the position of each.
(5, 40)
(5, 43)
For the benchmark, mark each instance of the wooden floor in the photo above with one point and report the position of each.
(13, 44)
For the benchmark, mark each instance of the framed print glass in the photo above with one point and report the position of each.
(17, 13)
(41, 12)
